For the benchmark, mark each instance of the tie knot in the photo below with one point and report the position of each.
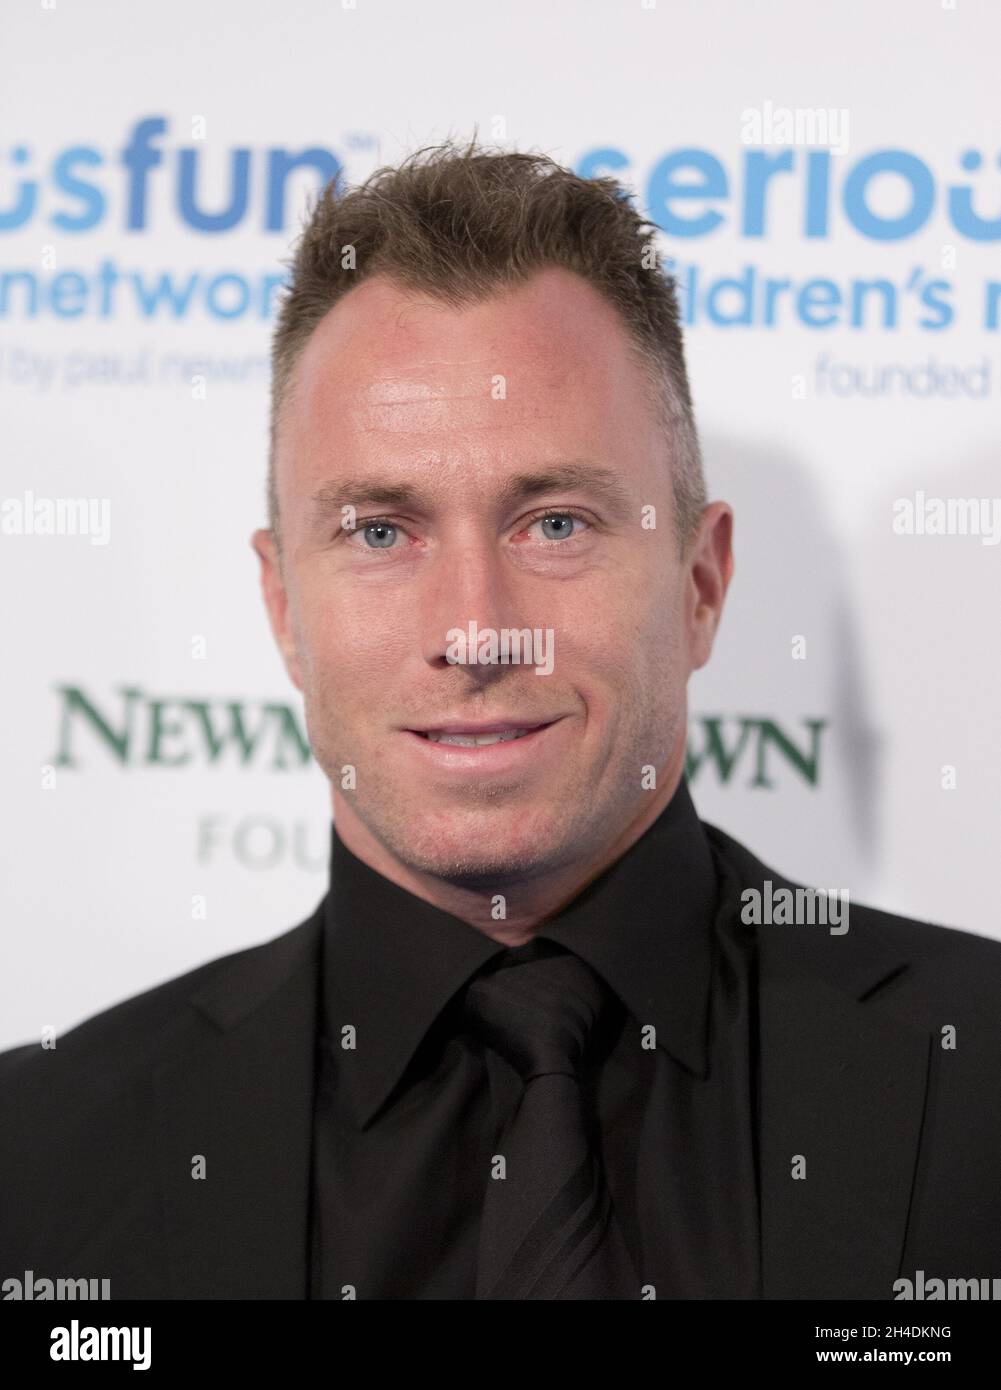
(536, 1009)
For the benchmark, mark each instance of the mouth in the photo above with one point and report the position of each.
(516, 750)
(477, 737)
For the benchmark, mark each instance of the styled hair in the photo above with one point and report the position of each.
(462, 223)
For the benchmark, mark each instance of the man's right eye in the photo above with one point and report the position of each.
(377, 534)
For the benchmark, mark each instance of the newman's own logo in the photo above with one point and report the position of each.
(148, 732)
(176, 732)
(754, 739)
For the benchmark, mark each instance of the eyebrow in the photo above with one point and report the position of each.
(337, 493)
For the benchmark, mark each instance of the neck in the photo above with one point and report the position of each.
(531, 901)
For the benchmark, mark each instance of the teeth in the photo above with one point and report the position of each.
(477, 740)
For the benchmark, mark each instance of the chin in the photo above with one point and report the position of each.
(479, 849)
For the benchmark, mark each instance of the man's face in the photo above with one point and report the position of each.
(453, 436)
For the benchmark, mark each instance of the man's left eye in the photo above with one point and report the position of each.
(558, 526)
(379, 535)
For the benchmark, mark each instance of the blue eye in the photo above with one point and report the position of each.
(379, 535)
(557, 526)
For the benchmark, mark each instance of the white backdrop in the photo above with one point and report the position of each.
(139, 840)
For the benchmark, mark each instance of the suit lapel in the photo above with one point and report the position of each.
(843, 1084)
(843, 1079)
(238, 1090)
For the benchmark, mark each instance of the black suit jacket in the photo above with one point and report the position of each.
(901, 1136)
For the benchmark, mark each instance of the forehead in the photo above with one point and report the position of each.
(387, 359)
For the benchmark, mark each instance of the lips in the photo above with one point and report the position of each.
(513, 748)
(475, 740)
(480, 735)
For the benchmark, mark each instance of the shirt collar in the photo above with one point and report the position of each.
(393, 961)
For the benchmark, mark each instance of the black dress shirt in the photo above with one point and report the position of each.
(410, 1107)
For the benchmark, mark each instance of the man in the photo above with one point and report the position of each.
(540, 1040)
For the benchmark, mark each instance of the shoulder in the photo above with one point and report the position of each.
(950, 959)
(81, 1125)
(118, 1044)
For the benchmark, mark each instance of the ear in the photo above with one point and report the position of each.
(276, 601)
(710, 569)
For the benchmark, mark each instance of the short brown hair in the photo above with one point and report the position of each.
(462, 223)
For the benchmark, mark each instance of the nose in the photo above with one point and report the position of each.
(466, 584)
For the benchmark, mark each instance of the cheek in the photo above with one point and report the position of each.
(629, 665)
(347, 642)
(618, 631)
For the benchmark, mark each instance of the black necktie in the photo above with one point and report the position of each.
(547, 1230)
